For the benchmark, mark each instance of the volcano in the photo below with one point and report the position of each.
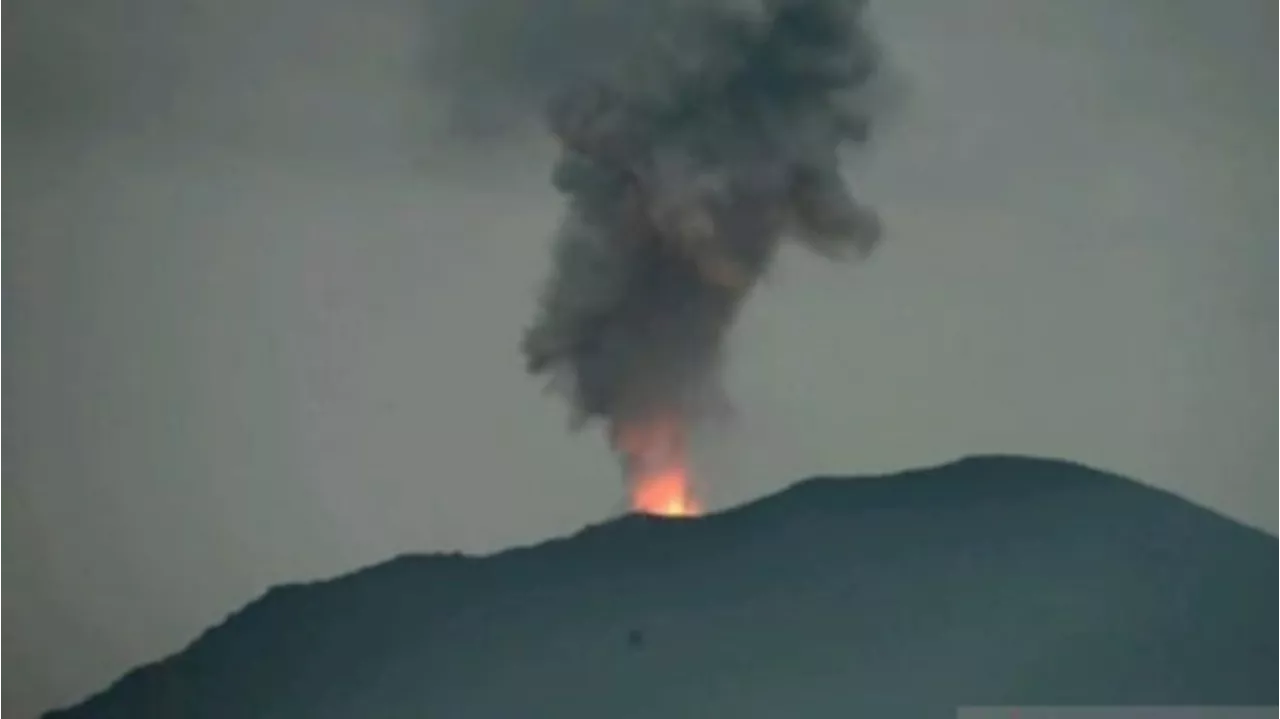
(988, 581)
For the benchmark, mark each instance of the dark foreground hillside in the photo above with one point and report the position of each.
(988, 581)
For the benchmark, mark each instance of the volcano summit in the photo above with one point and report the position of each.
(989, 581)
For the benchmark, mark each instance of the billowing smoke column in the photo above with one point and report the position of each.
(683, 166)
(695, 135)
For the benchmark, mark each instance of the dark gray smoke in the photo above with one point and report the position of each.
(694, 135)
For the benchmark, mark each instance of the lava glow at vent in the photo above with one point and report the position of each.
(657, 465)
(666, 494)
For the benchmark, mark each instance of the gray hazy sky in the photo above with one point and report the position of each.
(262, 315)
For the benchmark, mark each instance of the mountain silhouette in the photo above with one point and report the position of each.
(988, 581)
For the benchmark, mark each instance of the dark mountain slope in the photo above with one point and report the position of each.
(987, 581)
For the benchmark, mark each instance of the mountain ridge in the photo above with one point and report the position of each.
(1029, 511)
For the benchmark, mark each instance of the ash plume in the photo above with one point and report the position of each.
(694, 136)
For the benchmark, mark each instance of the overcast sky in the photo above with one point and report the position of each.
(262, 313)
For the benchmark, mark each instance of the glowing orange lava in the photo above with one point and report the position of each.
(665, 494)
(658, 468)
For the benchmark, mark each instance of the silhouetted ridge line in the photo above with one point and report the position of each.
(990, 580)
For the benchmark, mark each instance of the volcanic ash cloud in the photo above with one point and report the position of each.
(694, 136)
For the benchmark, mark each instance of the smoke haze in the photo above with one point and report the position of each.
(693, 137)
